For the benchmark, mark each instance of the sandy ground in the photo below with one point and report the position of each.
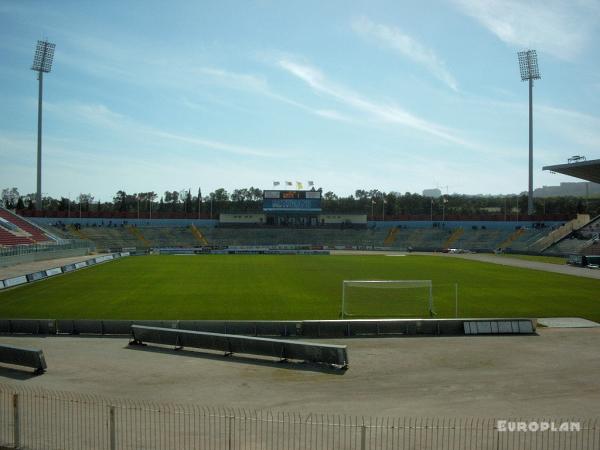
(553, 374)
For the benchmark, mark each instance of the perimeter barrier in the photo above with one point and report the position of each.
(20, 356)
(274, 328)
(36, 419)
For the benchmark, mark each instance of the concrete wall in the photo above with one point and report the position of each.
(243, 218)
(344, 218)
(467, 224)
(202, 223)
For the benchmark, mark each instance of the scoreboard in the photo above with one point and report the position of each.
(292, 201)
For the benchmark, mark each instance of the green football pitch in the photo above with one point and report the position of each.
(271, 287)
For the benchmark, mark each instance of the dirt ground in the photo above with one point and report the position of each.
(554, 373)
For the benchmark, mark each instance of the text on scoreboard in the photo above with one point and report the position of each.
(292, 200)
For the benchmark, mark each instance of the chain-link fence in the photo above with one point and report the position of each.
(36, 419)
(50, 247)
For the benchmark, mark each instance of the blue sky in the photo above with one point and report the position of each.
(399, 96)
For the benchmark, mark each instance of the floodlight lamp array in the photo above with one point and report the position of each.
(42, 59)
(528, 65)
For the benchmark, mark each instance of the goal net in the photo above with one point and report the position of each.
(387, 298)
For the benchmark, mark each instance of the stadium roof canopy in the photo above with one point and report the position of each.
(585, 170)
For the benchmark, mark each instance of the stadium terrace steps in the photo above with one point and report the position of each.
(421, 238)
(526, 239)
(9, 239)
(513, 236)
(561, 233)
(138, 234)
(198, 235)
(23, 229)
(456, 234)
(391, 237)
(482, 239)
(570, 245)
(291, 236)
(425, 239)
(593, 249)
(169, 237)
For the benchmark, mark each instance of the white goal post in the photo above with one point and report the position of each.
(421, 298)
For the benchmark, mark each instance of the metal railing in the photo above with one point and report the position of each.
(63, 244)
(36, 419)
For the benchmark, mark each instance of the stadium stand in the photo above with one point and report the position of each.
(578, 241)
(169, 237)
(426, 239)
(455, 236)
(8, 239)
(475, 236)
(14, 230)
(525, 239)
(482, 239)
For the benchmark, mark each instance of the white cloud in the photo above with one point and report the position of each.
(103, 117)
(562, 29)
(407, 46)
(255, 84)
(385, 113)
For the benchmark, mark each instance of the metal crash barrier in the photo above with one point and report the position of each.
(23, 357)
(335, 355)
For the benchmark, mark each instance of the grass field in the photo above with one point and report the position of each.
(290, 287)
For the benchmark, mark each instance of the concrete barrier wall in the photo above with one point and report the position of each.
(290, 328)
(35, 276)
(229, 343)
(23, 357)
(15, 281)
(54, 271)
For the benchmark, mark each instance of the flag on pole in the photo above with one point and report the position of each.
(276, 183)
(299, 185)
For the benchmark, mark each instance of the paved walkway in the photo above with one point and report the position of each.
(553, 373)
(567, 322)
(36, 266)
(526, 264)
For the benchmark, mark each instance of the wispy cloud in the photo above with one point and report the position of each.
(580, 129)
(103, 117)
(258, 85)
(386, 113)
(407, 46)
(562, 29)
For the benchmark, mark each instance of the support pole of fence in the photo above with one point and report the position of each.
(16, 422)
(230, 426)
(111, 428)
(363, 437)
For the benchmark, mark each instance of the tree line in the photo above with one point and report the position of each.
(375, 203)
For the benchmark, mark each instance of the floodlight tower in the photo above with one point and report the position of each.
(42, 63)
(529, 71)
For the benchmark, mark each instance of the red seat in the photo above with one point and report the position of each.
(37, 235)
